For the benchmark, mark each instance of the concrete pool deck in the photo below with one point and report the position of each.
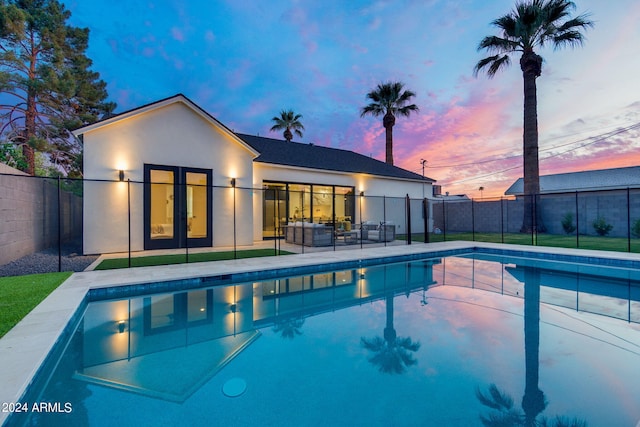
(24, 348)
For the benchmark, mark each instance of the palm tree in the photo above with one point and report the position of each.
(288, 121)
(531, 25)
(389, 99)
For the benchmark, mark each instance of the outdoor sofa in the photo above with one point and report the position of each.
(309, 234)
(384, 232)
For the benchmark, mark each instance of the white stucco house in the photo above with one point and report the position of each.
(169, 175)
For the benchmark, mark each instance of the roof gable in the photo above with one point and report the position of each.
(154, 106)
(280, 152)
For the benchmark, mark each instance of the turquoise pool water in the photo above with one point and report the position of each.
(403, 344)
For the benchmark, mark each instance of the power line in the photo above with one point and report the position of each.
(599, 138)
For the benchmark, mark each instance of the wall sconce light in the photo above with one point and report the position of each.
(121, 326)
(121, 175)
(362, 194)
(233, 308)
(233, 182)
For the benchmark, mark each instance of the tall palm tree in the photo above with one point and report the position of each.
(288, 121)
(389, 99)
(531, 25)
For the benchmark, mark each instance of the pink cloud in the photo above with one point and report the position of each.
(463, 132)
(240, 75)
(209, 36)
(177, 34)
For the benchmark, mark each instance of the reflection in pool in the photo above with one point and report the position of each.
(457, 341)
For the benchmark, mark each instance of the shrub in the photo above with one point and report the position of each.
(567, 223)
(601, 226)
(635, 228)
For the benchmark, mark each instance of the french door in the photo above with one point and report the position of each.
(177, 207)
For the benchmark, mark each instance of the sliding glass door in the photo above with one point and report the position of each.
(291, 202)
(177, 207)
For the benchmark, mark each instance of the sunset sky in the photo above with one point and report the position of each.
(244, 61)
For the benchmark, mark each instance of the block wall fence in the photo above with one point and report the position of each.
(29, 212)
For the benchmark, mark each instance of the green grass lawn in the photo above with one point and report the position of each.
(146, 261)
(619, 244)
(20, 294)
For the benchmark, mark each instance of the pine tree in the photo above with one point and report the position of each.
(46, 82)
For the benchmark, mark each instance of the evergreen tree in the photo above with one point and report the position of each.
(46, 82)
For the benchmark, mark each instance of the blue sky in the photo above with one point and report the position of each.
(244, 61)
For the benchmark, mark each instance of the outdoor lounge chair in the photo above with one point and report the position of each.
(385, 232)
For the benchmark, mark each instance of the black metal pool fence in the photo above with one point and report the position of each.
(44, 219)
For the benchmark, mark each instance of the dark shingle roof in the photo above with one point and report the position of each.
(602, 179)
(279, 152)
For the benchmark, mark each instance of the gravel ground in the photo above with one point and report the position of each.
(46, 261)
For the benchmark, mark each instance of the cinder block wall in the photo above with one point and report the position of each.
(29, 214)
(616, 207)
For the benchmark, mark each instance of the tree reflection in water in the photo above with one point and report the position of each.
(533, 402)
(392, 354)
(289, 328)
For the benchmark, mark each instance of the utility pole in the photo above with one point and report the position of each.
(423, 162)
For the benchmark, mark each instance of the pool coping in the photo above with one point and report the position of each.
(25, 347)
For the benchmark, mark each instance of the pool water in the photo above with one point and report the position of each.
(424, 343)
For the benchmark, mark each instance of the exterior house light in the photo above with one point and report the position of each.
(233, 182)
(121, 175)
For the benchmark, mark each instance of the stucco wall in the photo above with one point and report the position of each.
(172, 135)
(29, 214)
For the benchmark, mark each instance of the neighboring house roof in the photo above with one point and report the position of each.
(179, 98)
(602, 179)
(453, 198)
(280, 152)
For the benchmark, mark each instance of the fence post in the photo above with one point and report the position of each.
(473, 221)
(577, 223)
(628, 221)
(444, 222)
(302, 213)
(408, 217)
(129, 221)
(383, 231)
(501, 219)
(59, 229)
(361, 231)
(425, 216)
(184, 217)
(277, 245)
(233, 184)
(533, 219)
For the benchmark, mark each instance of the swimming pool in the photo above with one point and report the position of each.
(404, 343)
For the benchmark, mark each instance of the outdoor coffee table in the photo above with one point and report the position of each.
(348, 237)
